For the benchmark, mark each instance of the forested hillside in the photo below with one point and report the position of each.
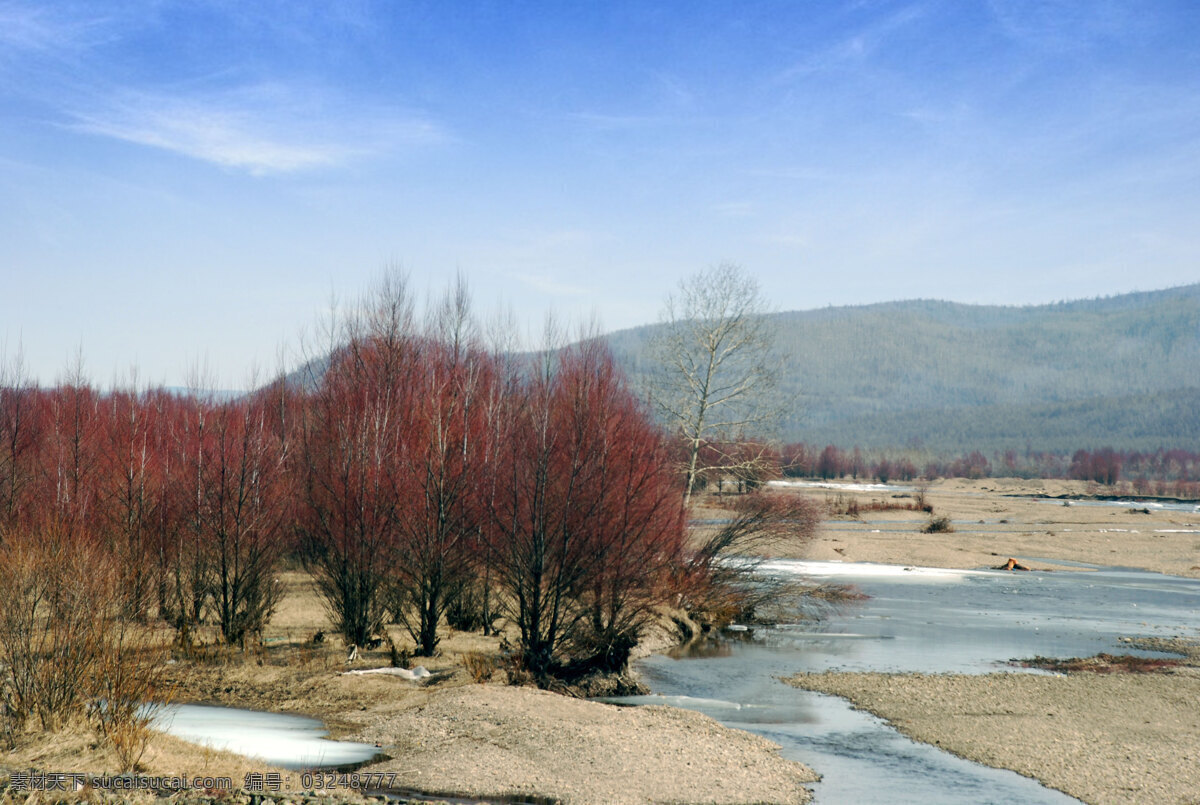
(1121, 371)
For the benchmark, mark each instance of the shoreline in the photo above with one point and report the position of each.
(998, 518)
(1102, 738)
(492, 734)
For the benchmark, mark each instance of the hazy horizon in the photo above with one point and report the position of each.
(203, 379)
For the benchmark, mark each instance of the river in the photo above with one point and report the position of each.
(915, 619)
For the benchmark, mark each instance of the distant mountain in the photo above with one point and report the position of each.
(1120, 371)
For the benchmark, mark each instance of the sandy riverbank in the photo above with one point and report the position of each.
(453, 736)
(1103, 738)
(1119, 738)
(997, 518)
(493, 739)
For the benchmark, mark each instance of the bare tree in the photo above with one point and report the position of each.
(438, 510)
(351, 447)
(715, 379)
(242, 517)
(128, 479)
(20, 435)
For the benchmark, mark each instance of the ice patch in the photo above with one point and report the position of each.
(866, 569)
(415, 675)
(838, 487)
(839, 635)
(277, 739)
(685, 702)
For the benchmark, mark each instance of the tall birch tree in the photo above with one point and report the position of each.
(714, 380)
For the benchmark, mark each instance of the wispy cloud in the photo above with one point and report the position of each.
(27, 29)
(1059, 26)
(223, 112)
(734, 209)
(262, 130)
(223, 137)
(855, 49)
(546, 284)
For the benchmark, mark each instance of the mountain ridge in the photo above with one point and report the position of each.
(889, 374)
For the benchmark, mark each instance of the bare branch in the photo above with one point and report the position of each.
(716, 352)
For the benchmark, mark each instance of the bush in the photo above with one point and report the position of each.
(717, 584)
(514, 667)
(53, 616)
(938, 525)
(130, 688)
(65, 650)
(479, 665)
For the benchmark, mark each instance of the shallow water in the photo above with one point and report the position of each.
(974, 621)
(1152, 505)
(917, 619)
(288, 741)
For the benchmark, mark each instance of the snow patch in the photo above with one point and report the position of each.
(840, 487)
(416, 674)
(866, 569)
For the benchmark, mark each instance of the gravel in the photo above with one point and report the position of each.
(495, 740)
(1119, 738)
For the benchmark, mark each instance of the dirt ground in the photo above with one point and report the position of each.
(451, 735)
(995, 519)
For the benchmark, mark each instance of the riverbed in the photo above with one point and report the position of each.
(916, 620)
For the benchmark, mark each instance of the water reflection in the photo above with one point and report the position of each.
(704, 648)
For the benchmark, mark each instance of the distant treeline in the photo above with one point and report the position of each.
(1170, 473)
(1135, 423)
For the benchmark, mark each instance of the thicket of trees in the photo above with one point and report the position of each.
(1174, 472)
(187, 495)
(438, 474)
(423, 475)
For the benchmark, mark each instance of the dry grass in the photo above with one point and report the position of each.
(852, 506)
(480, 666)
(1102, 664)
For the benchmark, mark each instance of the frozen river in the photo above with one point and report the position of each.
(916, 619)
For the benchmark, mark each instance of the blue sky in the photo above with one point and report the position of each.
(187, 183)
